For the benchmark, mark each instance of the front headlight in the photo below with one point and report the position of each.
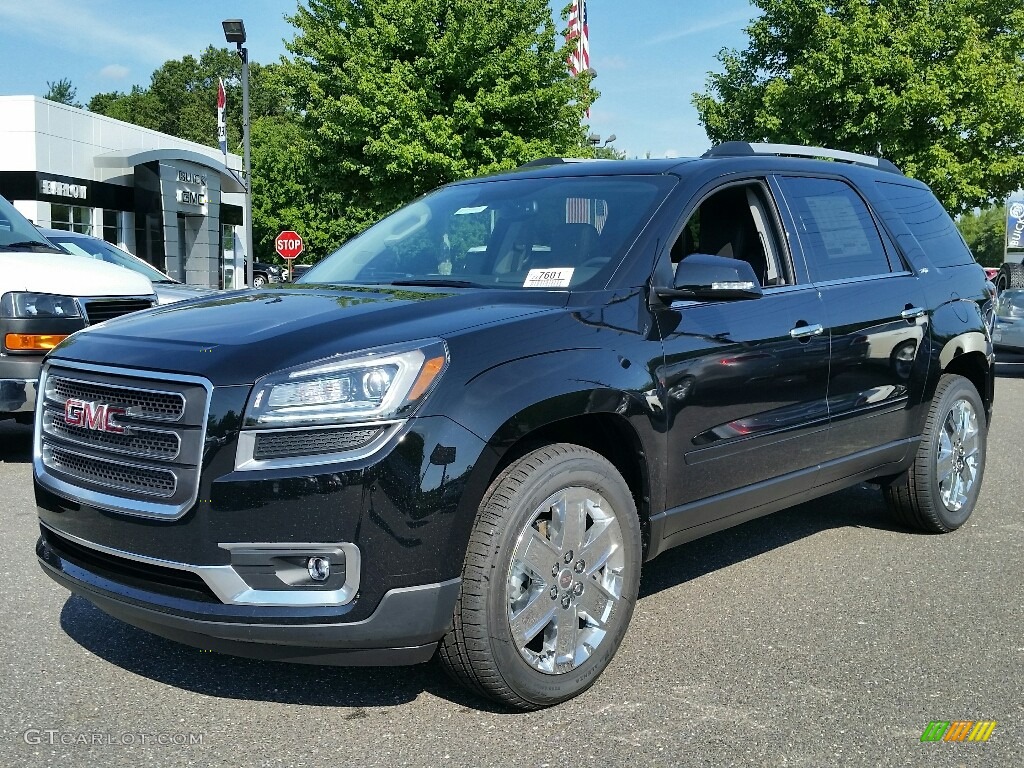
(18, 304)
(373, 385)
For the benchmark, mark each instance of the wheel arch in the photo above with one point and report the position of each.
(970, 355)
(974, 366)
(608, 434)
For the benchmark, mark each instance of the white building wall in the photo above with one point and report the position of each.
(37, 135)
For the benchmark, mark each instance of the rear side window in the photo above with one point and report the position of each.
(930, 224)
(839, 236)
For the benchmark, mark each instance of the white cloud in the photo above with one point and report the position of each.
(612, 63)
(114, 72)
(85, 27)
(703, 26)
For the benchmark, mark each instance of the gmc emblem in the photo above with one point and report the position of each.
(95, 416)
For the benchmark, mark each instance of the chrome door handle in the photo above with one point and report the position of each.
(912, 313)
(806, 331)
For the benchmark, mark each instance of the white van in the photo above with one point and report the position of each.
(45, 296)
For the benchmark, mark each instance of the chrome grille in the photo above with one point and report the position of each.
(152, 468)
(112, 474)
(135, 441)
(312, 442)
(144, 404)
(99, 310)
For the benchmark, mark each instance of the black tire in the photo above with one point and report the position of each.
(1010, 276)
(258, 280)
(918, 498)
(481, 650)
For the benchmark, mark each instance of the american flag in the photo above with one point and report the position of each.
(583, 210)
(222, 127)
(579, 61)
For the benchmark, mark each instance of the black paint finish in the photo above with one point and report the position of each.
(712, 411)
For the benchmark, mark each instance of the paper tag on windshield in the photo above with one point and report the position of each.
(556, 277)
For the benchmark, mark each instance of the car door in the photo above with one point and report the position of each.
(744, 381)
(874, 308)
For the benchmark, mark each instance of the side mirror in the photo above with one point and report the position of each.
(715, 278)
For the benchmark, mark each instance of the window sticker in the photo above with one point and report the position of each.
(837, 217)
(464, 211)
(555, 277)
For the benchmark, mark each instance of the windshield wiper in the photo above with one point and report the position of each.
(32, 244)
(436, 282)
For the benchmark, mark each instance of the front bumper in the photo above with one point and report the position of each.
(17, 395)
(229, 573)
(18, 378)
(404, 628)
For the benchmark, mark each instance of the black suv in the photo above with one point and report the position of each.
(475, 421)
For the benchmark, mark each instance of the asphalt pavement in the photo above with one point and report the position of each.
(819, 636)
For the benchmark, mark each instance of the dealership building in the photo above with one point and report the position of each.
(177, 204)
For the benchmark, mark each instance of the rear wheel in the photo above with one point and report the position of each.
(550, 579)
(1010, 276)
(938, 493)
(258, 281)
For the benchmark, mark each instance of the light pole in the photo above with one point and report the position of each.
(234, 32)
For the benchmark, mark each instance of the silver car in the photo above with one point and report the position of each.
(167, 289)
(1008, 334)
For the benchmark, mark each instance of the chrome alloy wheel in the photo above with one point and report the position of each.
(957, 459)
(564, 580)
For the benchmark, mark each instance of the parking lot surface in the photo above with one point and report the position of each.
(819, 636)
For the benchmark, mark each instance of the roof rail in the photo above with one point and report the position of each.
(541, 161)
(745, 148)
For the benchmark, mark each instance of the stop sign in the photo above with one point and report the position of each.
(288, 244)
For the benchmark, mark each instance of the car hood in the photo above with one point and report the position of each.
(59, 273)
(168, 293)
(236, 337)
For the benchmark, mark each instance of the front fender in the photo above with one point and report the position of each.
(515, 400)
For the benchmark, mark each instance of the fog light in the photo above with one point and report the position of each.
(318, 568)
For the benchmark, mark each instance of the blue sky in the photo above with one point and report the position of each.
(650, 56)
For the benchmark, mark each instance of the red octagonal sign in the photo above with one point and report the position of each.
(288, 244)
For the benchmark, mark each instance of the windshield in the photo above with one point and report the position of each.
(101, 250)
(516, 233)
(17, 232)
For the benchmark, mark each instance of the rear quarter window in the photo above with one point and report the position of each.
(929, 223)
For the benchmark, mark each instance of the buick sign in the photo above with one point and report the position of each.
(1015, 226)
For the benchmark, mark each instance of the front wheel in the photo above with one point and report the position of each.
(938, 493)
(550, 579)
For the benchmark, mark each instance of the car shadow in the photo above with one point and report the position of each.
(232, 677)
(356, 688)
(861, 506)
(15, 442)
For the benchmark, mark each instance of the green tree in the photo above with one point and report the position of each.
(181, 99)
(62, 92)
(608, 153)
(985, 233)
(284, 189)
(935, 85)
(399, 96)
